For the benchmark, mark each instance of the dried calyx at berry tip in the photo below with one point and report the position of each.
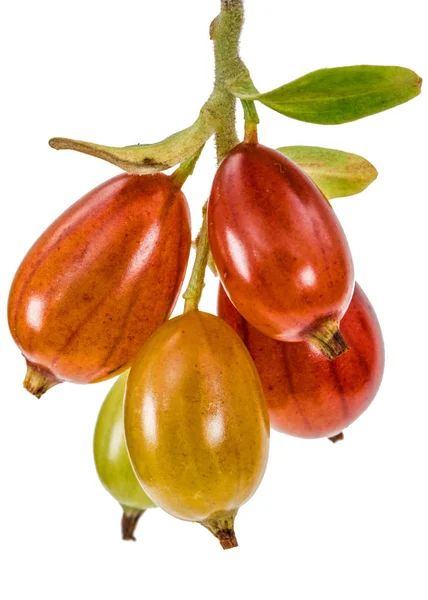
(112, 462)
(81, 316)
(209, 372)
(38, 380)
(326, 337)
(222, 527)
(309, 396)
(297, 289)
(129, 522)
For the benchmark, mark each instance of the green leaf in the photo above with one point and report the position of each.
(335, 172)
(148, 158)
(339, 95)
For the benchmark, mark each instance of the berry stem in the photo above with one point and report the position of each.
(185, 169)
(251, 121)
(225, 31)
(193, 292)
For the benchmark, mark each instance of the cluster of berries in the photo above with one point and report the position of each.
(93, 296)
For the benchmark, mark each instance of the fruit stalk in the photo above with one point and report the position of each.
(225, 32)
(251, 121)
(193, 292)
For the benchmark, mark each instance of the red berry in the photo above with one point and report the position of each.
(280, 250)
(100, 280)
(309, 396)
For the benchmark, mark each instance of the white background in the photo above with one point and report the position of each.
(346, 520)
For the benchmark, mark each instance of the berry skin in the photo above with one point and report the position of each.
(196, 422)
(112, 462)
(100, 280)
(309, 396)
(279, 248)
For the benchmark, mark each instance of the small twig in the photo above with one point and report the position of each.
(225, 32)
(193, 292)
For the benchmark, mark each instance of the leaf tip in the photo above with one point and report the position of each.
(371, 172)
(57, 143)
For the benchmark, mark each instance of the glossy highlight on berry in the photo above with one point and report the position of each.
(309, 396)
(100, 280)
(186, 423)
(196, 422)
(112, 461)
(279, 248)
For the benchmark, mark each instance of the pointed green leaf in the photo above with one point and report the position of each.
(148, 158)
(335, 172)
(338, 95)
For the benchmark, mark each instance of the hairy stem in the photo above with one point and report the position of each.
(193, 293)
(225, 31)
